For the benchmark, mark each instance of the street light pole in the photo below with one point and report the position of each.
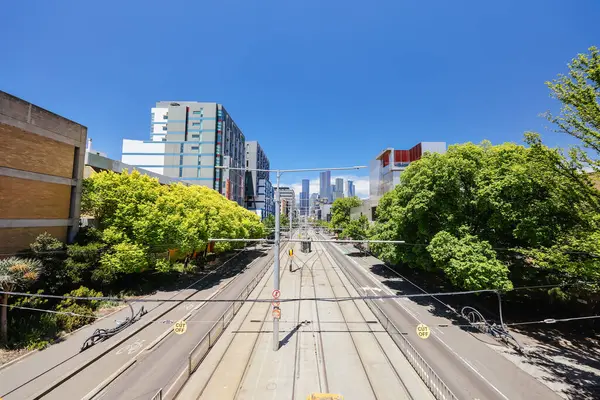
(276, 264)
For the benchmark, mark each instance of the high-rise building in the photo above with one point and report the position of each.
(288, 200)
(325, 186)
(188, 140)
(350, 190)
(304, 196)
(258, 188)
(338, 191)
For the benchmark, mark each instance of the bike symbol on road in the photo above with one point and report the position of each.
(131, 348)
(375, 291)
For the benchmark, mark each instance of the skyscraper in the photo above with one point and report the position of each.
(258, 189)
(339, 188)
(304, 196)
(350, 191)
(325, 185)
(188, 140)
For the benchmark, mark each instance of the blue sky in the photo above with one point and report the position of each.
(317, 83)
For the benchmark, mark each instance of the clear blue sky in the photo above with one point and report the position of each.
(317, 83)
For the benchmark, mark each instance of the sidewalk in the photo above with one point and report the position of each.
(335, 347)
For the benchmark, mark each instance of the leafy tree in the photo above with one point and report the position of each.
(504, 196)
(137, 217)
(15, 273)
(356, 229)
(469, 262)
(340, 211)
(269, 223)
(579, 93)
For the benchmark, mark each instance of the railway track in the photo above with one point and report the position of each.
(335, 280)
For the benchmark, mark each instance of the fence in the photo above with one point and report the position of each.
(435, 384)
(200, 351)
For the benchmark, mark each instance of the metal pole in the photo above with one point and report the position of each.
(276, 265)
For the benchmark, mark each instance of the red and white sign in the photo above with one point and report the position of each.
(276, 313)
(276, 293)
(276, 304)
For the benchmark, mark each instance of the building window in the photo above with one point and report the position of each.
(195, 147)
(164, 127)
(195, 136)
(200, 112)
(166, 116)
(196, 123)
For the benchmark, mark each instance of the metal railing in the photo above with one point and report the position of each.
(158, 395)
(431, 379)
(200, 351)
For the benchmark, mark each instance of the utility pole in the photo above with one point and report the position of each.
(276, 264)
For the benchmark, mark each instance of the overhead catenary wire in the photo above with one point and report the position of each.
(171, 321)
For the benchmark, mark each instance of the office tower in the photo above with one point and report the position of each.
(325, 185)
(188, 140)
(304, 196)
(258, 188)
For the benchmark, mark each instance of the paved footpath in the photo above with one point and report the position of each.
(335, 347)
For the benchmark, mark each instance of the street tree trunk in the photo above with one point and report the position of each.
(4, 319)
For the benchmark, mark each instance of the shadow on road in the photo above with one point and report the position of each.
(569, 353)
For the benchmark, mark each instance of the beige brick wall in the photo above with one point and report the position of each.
(15, 239)
(25, 151)
(24, 198)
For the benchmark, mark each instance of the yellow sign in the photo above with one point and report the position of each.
(291, 252)
(180, 327)
(423, 331)
(276, 313)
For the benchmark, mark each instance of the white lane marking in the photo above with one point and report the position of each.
(439, 330)
(368, 274)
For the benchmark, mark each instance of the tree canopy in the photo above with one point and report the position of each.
(340, 211)
(137, 216)
(487, 216)
(579, 93)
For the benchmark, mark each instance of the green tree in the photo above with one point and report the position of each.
(485, 197)
(579, 93)
(340, 211)
(356, 229)
(15, 273)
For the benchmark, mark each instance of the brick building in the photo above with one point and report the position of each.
(41, 171)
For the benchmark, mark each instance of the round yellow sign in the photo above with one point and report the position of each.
(180, 327)
(423, 331)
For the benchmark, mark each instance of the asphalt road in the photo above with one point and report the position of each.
(161, 366)
(468, 366)
(62, 371)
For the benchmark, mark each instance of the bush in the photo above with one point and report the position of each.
(83, 307)
(33, 330)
